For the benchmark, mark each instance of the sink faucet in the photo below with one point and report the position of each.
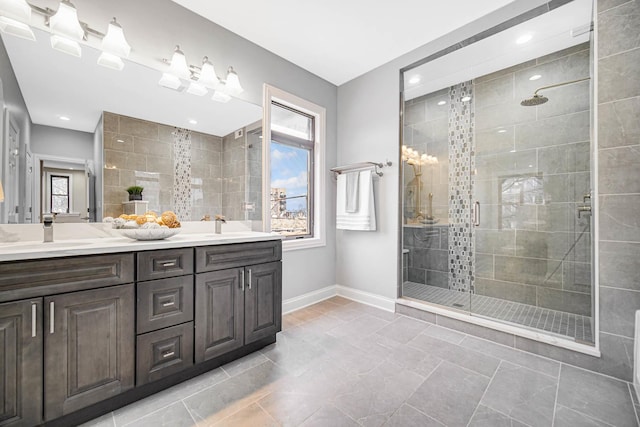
(219, 221)
(48, 228)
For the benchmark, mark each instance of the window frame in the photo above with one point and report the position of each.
(52, 195)
(316, 175)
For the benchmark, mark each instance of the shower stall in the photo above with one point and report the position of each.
(497, 181)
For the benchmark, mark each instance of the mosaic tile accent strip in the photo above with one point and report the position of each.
(553, 321)
(461, 162)
(182, 202)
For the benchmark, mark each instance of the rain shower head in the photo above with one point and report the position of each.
(534, 100)
(541, 99)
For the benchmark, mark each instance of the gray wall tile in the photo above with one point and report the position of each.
(617, 310)
(619, 219)
(618, 170)
(620, 265)
(517, 292)
(619, 76)
(618, 123)
(619, 29)
(570, 302)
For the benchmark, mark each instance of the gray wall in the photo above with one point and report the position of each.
(60, 142)
(369, 123)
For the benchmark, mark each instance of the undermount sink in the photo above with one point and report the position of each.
(40, 246)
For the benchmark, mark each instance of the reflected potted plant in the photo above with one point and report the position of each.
(135, 192)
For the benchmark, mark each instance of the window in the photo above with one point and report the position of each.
(295, 169)
(59, 194)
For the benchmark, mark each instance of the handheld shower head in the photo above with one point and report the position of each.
(541, 99)
(534, 100)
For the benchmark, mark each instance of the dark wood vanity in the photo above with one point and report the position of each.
(84, 335)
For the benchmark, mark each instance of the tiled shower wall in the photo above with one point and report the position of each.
(532, 170)
(139, 152)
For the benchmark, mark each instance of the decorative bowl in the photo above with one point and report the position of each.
(150, 233)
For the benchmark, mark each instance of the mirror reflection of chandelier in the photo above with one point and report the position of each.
(416, 160)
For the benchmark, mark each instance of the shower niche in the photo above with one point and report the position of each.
(497, 177)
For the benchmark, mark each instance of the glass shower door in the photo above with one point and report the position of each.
(532, 182)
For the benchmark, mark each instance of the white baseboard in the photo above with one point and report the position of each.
(310, 298)
(374, 300)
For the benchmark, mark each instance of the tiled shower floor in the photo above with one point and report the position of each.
(558, 322)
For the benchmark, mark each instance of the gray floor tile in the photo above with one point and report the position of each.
(341, 301)
(290, 409)
(487, 417)
(603, 398)
(518, 357)
(164, 398)
(445, 334)
(520, 393)
(403, 329)
(244, 363)
(321, 383)
(253, 415)
(566, 417)
(175, 415)
(361, 327)
(418, 361)
(329, 415)
(408, 416)
(103, 421)
(461, 356)
(293, 354)
(377, 395)
(224, 399)
(450, 394)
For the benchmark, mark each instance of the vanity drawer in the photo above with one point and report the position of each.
(164, 263)
(164, 352)
(163, 303)
(221, 257)
(29, 279)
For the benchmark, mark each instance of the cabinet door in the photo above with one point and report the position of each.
(219, 313)
(21, 363)
(263, 301)
(89, 347)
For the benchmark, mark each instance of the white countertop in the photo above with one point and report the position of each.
(26, 250)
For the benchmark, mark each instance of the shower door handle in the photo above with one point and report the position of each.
(476, 214)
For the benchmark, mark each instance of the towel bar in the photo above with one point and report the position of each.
(363, 165)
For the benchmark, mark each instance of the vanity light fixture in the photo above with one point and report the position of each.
(14, 18)
(220, 95)
(178, 69)
(195, 88)
(232, 83)
(208, 76)
(66, 29)
(114, 47)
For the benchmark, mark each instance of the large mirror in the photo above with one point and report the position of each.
(89, 133)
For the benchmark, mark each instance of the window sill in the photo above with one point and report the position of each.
(295, 245)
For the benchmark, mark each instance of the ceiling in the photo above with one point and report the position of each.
(340, 40)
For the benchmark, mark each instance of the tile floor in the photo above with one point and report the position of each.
(558, 322)
(340, 363)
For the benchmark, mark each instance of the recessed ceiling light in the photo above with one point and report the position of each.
(442, 102)
(535, 77)
(193, 122)
(466, 99)
(530, 166)
(502, 131)
(524, 38)
(513, 151)
(121, 141)
(65, 118)
(414, 80)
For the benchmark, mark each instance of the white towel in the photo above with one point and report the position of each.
(352, 192)
(365, 218)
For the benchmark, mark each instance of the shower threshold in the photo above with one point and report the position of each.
(560, 323)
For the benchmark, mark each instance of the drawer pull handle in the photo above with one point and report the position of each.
(242, 271)
(168, 304)
(52, 317)
(34, 307)
(250, 279)
(168, 354)
(169, 264)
